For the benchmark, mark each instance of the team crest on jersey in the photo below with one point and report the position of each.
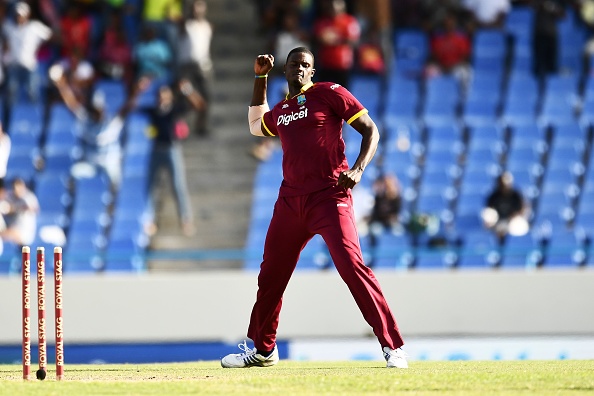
(301, 100)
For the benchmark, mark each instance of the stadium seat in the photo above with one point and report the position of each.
(480, 112)
(26, 117)
(436, 259)
(560, 100)
(10, 258)
(53, 196)
(313, 256)
(571, 38)
(479, 250)
(392, 252)
(521, 251)
(127, 255)
(566, 248)
(438, 114)
(115, 91)
(277, 90)
(20, 165)
(402, 99)
(520, 99)
(369, 91)
(82, 252)
(410, 50)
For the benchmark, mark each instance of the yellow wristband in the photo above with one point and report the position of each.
(262, 76)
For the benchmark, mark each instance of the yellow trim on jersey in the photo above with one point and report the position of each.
(265, 130)
(303, 89)
(359, 114)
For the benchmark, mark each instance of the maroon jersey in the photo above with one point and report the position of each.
(309, 126)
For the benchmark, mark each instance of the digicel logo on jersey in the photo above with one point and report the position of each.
(285, 119)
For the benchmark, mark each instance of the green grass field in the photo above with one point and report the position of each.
(312, 378)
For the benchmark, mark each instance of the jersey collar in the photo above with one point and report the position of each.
(303, 89)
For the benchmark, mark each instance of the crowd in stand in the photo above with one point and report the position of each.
(56, 52)
(91, 40)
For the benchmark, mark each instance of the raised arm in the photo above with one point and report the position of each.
(367, 128)
(259, 105)
(58, 77)
(193, 96)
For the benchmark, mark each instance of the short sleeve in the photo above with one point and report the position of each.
(344, 104)
(268, 125)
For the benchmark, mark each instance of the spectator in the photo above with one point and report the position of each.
(450, 49)
(79, 73)
(387, 205)
(195, 63)
(289, 36)
(487, 13)
(20, 209)
(545, 36)
(162, 16)
(23, 39)
(375, 51)
(99, 135)
(152, 56)
(115, 52)
(167, 151)
(505, 211)
(5, 145)
(336, 34)
(75, 31)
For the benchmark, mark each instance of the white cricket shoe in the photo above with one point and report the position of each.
(249, 358)
(395, 358)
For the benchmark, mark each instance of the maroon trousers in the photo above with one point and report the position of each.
(295, 221)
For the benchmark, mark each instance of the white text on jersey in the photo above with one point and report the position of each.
(285, 119)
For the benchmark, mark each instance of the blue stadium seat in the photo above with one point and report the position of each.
(480, 111)
(436, 259)
(20, 165)
(277, 90)
(25, 117)
(53, 196)
(586, 117)
(520, 99)
(369, 91)
(25, 141)
(410, 50)
(572, 37)
(521, 251)
(560, 99)
(489, 50)
(566, 248)
(479, 251)
(392, 252)
(486, 134)
(91, 198)
(519, 21)
(487, 150)
(443, 88)
(115, 92)
(313, 256)
(83, 252)
(402, 100)
(438, 114)
(10, 258)
(527, 134)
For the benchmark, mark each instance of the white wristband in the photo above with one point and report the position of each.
(255, 114)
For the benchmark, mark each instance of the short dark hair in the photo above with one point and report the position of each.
(297, 50)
